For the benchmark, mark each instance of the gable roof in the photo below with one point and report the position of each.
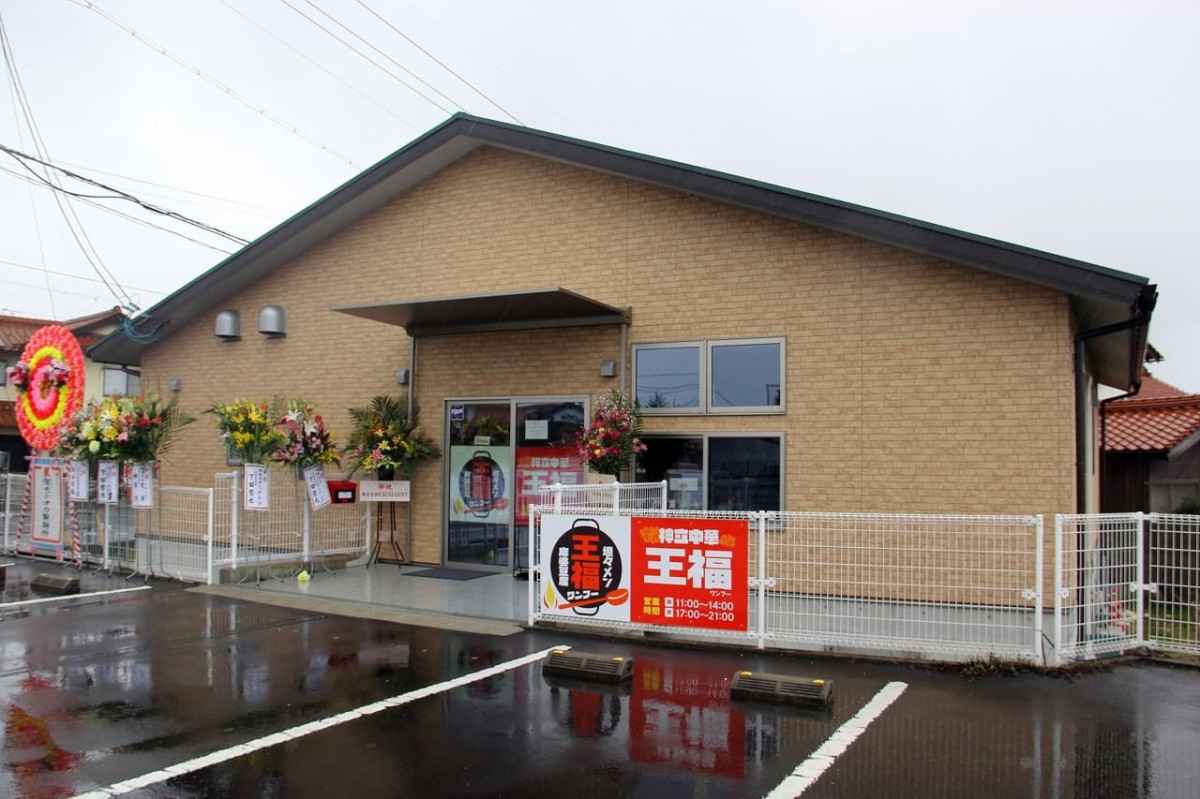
(15, 331)
(1100, 296)
(1158, 419)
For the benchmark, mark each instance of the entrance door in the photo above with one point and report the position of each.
(547, 453)
(480, 483)
(495, 471)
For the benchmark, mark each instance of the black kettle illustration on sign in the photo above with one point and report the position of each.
(586, 545)
(481, 483)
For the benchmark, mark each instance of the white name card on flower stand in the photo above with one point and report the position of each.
(77, 481)
(258, 487)
(141, 485)
(107, 483)
(317, 486)
(384, 491)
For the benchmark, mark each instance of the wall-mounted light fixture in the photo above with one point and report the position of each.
(228, 325)
(272, 321)
(175, 385)
(402, 377)
(608, 367)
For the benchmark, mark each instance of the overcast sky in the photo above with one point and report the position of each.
(1070, 126)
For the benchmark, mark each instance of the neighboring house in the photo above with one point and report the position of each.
(791, 351)
(15, 332)
(1151, 457)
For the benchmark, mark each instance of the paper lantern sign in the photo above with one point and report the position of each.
(49, 381)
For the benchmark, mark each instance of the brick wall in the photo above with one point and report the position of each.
(912, 384)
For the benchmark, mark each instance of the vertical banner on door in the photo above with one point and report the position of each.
(670, 572)
(141, 485)
(544, 466)
(258, 487)
(108, 483)
(77, 481)
(480, 487)
(317, 487)
(47, 475)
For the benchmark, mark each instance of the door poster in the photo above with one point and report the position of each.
(480, 484)
(544, 466)
(108, 482)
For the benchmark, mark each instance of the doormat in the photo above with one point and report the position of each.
(450, 574)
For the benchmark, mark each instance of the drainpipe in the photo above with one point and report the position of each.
(624, 364)
(1104, 426)
(412, 397)
(1143, 307)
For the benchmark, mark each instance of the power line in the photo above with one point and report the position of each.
(250, 207)
(209, 79)
(74, 225)
(115, 212)
(438, 61)
(117, 193)
(328, 72)
(37, 224)
(449, 32)
(369, 60)
(33, 268)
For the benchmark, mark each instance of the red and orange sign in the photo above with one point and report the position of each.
(671, 572)
(693, 572)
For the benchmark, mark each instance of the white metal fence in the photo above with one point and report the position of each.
(191, 534)
(943, 587)
(1172, 604)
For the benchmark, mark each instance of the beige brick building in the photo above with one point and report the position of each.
(819, 356)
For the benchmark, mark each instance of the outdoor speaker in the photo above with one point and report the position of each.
(55, 584)
(586, 666)
(781, 688)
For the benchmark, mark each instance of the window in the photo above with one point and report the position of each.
(716, 471)
(668, 376)
(3, 372)
(729, 376)
(119, 383)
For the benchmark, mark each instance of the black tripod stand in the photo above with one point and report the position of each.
(380, 541)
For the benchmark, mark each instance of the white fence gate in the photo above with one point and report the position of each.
(941, 587)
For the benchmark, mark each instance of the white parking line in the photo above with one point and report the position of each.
(195, 764)
(66, 597)
(820, 760)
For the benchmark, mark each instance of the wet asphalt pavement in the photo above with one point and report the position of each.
(97, 691)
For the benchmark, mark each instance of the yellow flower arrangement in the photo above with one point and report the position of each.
(248, 429)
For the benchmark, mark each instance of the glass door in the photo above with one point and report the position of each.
(499, 454)
(547, 452)
(480, 483)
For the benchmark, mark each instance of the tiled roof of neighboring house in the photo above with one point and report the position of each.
(8, 413)
(15, 331)
(1152, 388)
(1158, 419)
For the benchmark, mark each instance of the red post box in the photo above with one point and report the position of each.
(343, 492)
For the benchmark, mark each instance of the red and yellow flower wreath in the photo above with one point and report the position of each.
(52, 389)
